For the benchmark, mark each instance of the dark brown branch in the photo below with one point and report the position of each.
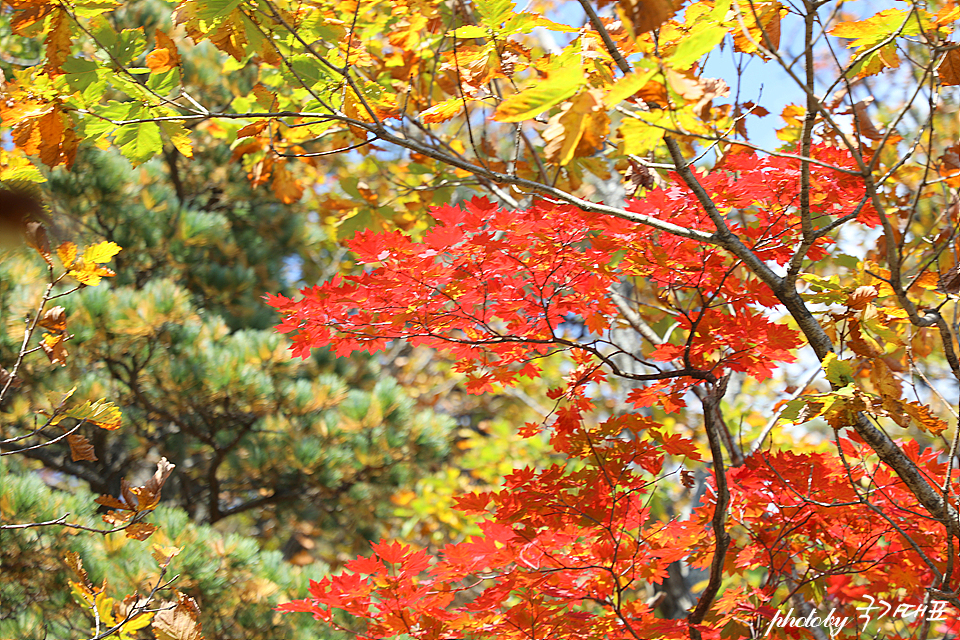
(713, 423)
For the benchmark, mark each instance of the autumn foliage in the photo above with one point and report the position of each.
(566, 549)
(732, 312)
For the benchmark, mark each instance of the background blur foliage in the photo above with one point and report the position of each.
(291, 460)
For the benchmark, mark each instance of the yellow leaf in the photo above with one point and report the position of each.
(163, 555)
(642, 136)
(52, 345)
(578, 130)
(101, 413)
(536, 99)
(179, 136)
(627, 86)
(104, 606)
(90, 274)
(101, 252)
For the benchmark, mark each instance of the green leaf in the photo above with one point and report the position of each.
(165, 82)
(91, 8)
(130, 44)
(87, 78)
(839, 372)
(211, 10)
(494, 12)
(533, 101)
(873, 30)
(139, 142)
(695, 46)
(104, 32)
(641, 137)
(308, 69)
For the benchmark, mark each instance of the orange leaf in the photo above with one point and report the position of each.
(762, 22)
(252, 130)
(140, 531)
(442, 111)
(67, 252)
(265, 98)
(285, 186)
(58, 41)
(54, 319)
(647, 15)
(28, 13)
(165, 56)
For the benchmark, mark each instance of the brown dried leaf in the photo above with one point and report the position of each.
(54, 319)
(75, 564)
(285, 185)
(140, 531)
(182, 622)
(110, 501)
(950, 281)
(862, 345)
(712, 88)
(861, 297)
(949, 69)
(867, 129)
(886, 385)
(4, 376)
(36, 237)
(80, 448)
(115, 519)
(52, 345)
